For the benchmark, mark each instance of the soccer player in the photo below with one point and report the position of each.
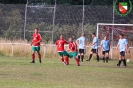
(36, 45)
(81, 45)
(61, 51)
(94, 46)
(105, 47)
(122, 48)
(73, 52)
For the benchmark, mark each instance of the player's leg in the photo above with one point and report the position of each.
(74, 54)
(79, 55)
(96, 51)
(123, 58)
(66, 59)
(62, 58)
(91, 53)
(103, 54)
(38, 52)
(39, 56)
(82, 55)
(119, 62)
(107, 56)
(33, 54)
(124, 61)
(77, 61)
(97, 57)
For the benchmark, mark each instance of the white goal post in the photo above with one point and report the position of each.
(113, 31)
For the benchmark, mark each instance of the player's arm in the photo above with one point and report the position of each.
(65, 42)
(68, 50)
(101, 46)
(56, 43)
(84, 43)
(93, 43)
(31, 41)
(77, 42)
(127, 48)
(38, 41)
(117, 47)
(109, 46)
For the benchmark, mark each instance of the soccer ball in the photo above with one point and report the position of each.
(128, 60)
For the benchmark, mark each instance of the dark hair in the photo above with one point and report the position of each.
(36, 28)
(105, 36)
(83, 34)
(71, 38)
(122, 35)
(94, 33)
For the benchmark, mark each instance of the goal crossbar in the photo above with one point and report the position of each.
(114, 24)
(111, 24)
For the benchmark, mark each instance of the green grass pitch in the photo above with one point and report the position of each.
(20, 73)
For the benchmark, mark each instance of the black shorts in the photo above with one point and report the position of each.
(105, 52)
(94, 51)
(81, 50)
(122, 53)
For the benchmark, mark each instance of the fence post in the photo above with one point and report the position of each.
(12, 50)
(25, 19)
(44, 50)
(83, 16)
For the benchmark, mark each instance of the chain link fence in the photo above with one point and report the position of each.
(18, 21)
(11, 21)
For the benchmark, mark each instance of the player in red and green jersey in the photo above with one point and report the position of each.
(36, 45)
(73, 52)
(61, 51)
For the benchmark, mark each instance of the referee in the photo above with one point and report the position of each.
(81, 45)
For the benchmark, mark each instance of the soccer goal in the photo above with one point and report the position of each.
(113, 31)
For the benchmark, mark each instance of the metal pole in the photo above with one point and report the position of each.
(25, 18)
(97, 30)
(53, 22)
(83, 18)
(44, 50)
(112, 33)
(113, 13)
(12, 50)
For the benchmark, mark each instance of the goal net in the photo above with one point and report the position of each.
(113, 31)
